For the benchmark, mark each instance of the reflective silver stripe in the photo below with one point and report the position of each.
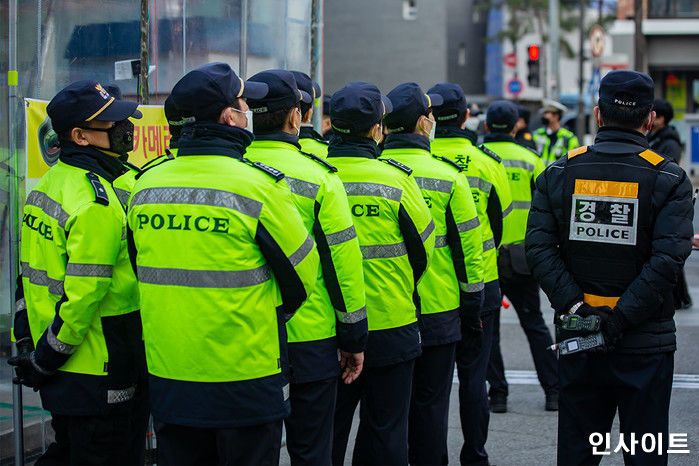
(440, 241)
(32, 359)
(351, 317)
(434, 184)
(373, 189)
(123, 195)
(427, 231)
(521, 205)
(119, 396)
(383, 251)
(41, 278)
(203, 278)
(285, 392)
(341, 236)
(50, 207)
(303, 250)
(471, 287)
(56, 344)
(468, 225)
(507, 211)
(89, 270)
(488, 244)
(198, 196)
(302, 188)
(123, 233)
(20, 305)
(480, 184)
(518, 164)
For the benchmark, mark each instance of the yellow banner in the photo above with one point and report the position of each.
(151, 137)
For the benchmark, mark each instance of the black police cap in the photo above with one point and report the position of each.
(409, 102)
(306, 84)
(283, 91)
(357, 107)
(454, 101)
(174, 116)
(87, 100)
(113, 89)
(501, 116)
(664, 108)
(205, 91)
(524, 113)
(626, 88)
(326, 104)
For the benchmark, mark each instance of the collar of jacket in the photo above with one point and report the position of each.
(407, 141)
(352, 146)
(454, 132)
(279, 136)
(498, 137)
(668, 132)
(307, 132)
(615, 140)
(208, 138)
(88, 158)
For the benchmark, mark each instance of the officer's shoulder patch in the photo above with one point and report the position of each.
(490, 153)
(651, 157)
(271, 171)
(398, 165)
(324, 163)
(101, 196)
(449, 162)
(527, 136)
(153, 163)
(577, 151)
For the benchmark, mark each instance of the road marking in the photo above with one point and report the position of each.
(518, 377)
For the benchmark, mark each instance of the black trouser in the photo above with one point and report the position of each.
(309, 428)
(472, 365)
(250, 445)
(523, 293)
(382, 438)
(117, 437)
(428, 424)
(594, 386)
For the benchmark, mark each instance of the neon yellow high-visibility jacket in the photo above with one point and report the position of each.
(223, 260)
(453, 283)
(313, 143)
(491, 194)
(124, 184)
(565, 141)
(523, 166)
(80, 290)
(396, 238)
(338, 303)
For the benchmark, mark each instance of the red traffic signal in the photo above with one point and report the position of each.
(533, 52)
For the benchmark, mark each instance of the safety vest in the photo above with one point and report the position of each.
(312, 143)
(124, 184)
(338, 298)
(488, 181)
(396, 238)
(223, 260)
(565, 141)
(456, 266)
(80, 290)
(523, 166)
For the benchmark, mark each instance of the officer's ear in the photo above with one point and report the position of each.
(485, 125)
(648, 125)
(466, 116)
(598, 116)
(226, 117)
(77, 135)
(422, 127)
(307, 117)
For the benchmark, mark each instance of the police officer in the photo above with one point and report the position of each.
(450, 292)
(334, 316)
(491, 194)
(609, 231)
(326, 126)
(223, 260)
(396, 237)
(552, 140)
(80, 291)
(663, 138)
(516, 282)
(522, 134)
(309, 139)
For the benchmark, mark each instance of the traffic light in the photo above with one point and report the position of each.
(533, 71)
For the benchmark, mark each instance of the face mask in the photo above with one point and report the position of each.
(298, 130)
(248, 117)
(472, 124)
(545, 121)
(120, 136)
(433, 128)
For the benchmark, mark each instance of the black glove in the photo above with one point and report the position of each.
(28, 372)
(612, 324)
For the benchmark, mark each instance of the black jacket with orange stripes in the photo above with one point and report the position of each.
(611, 225)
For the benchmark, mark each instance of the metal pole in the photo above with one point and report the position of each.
(184, 37)
(38, 49)
(317, 58)
(554, 39)
(243, 51)
(580, 124)
(145, 42)
(13, 226)
(639, 40)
